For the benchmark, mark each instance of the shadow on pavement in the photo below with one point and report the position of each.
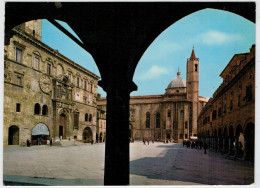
(192, 165)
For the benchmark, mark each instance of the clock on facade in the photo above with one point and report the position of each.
(45, 83)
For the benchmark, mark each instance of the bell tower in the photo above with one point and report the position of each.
(193, 89)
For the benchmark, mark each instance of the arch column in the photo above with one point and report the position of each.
(117, 131)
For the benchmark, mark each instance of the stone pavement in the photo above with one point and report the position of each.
(154, 164)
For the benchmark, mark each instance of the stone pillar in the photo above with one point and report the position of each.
(117, 133)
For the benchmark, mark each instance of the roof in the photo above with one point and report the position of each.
(193, 56)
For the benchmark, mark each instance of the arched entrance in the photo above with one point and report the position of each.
(62, 126)
(40, 133)
(249, 142)
(87, 135)
(13, 135)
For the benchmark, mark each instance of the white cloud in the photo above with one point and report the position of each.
(154, 72)
(218, 38)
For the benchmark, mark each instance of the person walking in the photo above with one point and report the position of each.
(50, 142)
(144, 141)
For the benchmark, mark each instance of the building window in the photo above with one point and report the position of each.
(186, 124)
(58, 92)
(18, 107)
(225, 108)
(158, 119)
(77, 81)
(231, 105)
(45, 110)
(196, 67)
(147, 120)
(18, 57)
(85, 100)
(85, 85)
(48, 69)
(90, 118)
(19, 80)
(186, 136)
(36, 63)
(214, 114)
(219, 112)
(181, 136)
(37, 108)
(238, 100)
(91, 87)
(181, 113)
(249, 93)
(76, 120)
(169, 113)
(86, 117)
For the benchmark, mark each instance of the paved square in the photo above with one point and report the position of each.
(154, 164)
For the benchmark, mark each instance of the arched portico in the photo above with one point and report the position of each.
(116, 46)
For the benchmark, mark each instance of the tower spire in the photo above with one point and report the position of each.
(193, 56)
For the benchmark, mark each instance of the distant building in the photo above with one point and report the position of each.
(172, 115)
(227, 122)
(46, 95)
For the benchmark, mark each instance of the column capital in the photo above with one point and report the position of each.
(117, 86)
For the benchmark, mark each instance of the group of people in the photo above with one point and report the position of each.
(197, 144)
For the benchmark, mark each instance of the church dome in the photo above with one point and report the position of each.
(177, 82)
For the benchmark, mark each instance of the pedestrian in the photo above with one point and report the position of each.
(144, 141)
(50, 142)
(205, 146)
(92, 141)
(148, 141)
(183, 143)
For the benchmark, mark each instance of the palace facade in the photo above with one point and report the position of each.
(46, 95)
(172, 115)
(227, 122)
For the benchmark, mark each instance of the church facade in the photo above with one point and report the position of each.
(172, 115)
(46, 95)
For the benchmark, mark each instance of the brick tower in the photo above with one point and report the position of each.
(193, 90)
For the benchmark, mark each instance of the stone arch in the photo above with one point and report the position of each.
(87, 135)
(40, 132)
(249, 120)
(13, 135)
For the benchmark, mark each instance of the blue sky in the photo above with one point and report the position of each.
(216, 36)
